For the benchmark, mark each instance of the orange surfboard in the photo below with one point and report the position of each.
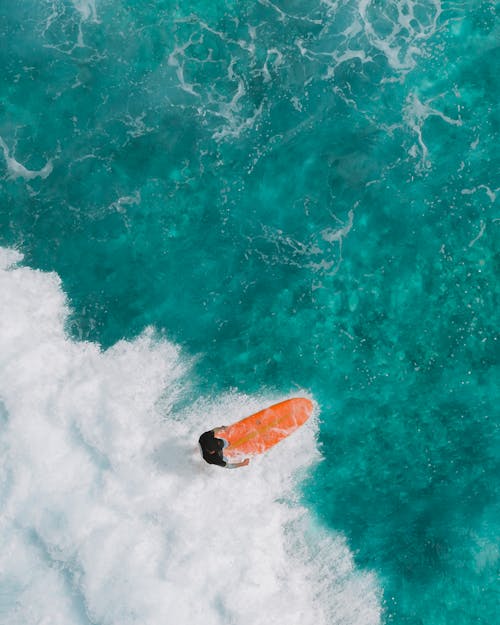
(262, 430)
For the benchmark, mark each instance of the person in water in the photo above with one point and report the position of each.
(212, 449)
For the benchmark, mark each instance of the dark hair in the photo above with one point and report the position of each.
(211, 448)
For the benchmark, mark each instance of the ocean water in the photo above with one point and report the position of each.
(206, 207)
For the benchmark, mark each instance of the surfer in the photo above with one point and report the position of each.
(212, 449)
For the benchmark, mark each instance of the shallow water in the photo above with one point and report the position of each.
(296, 197)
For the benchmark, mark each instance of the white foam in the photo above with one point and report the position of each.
(415, 115)
(408, 34)
(173, 61)
(18, 170)
(107, 512)
(492, 194)
(87, 9)
(479, 235)
(9, 257)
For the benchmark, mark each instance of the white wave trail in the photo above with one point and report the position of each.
(109, 516)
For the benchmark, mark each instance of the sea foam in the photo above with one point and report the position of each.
(16, 169)
(109, 515)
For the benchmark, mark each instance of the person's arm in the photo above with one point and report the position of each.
(235, 465)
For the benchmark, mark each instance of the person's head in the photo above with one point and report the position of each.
(209, 444)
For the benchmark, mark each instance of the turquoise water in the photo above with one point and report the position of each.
(302, 195)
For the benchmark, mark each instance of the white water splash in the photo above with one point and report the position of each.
(109, 515)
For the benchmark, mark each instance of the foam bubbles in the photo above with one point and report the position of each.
(108, 513)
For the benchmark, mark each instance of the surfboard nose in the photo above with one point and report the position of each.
(304, 404)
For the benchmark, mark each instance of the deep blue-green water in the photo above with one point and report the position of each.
(302, 196)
